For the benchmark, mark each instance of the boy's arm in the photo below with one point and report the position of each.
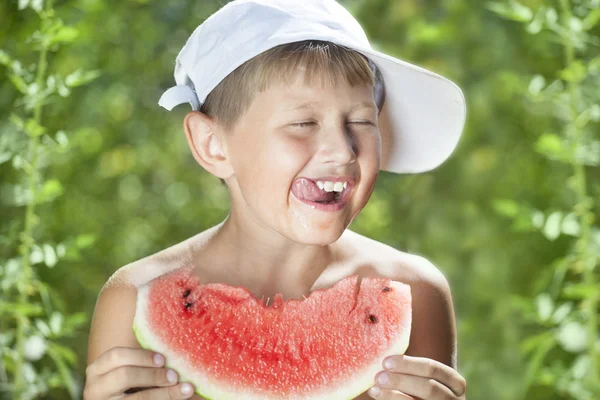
(113, 320)
(433, 333)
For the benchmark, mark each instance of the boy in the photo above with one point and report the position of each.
(296, 114)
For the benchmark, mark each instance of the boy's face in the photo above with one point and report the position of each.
(340, 137)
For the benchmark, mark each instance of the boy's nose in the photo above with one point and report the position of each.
(337, 146)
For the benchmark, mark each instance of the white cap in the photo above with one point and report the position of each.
(423, 114)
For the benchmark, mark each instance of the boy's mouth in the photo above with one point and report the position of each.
(326, 190)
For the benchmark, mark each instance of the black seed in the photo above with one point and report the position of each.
(187, 293)
(386, 289)
(188, 305)
(372, 318)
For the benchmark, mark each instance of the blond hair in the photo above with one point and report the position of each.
(324, 63)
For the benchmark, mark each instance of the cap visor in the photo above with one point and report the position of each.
(422, 118)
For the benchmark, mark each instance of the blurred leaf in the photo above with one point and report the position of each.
(37, 255)
(591, 19)
(51, 190)
(19, 83)
(538, 219)
(17, 121)
(575, 72)
(581, 290)
(64, 34)
(5, 59)
(17, 309)
(56, 321)
(581, 366)
(50, 257)
(37, 5)
(62, 139)
(65, 353)
(42, 327)
(589, 154)
(562, 312)
(575, 24)
(35, 348)
(572, 336)
(81, 77)
(545, 306)
(552, 227)
(570, 225)
(551, 16)
(541, 345)
(23, 4)
(552, 146)
(33, 128)
(536, 84)
(511, 10)
(536, 25)
(85, 240)
(506, 207)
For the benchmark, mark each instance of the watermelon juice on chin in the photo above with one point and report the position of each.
(231, 345)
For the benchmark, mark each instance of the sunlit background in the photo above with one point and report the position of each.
(511, 218)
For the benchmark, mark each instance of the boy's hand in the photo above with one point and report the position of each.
(118, 370)
(419, 377)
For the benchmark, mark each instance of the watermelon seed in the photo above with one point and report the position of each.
(372, 318)
(386, 289)
(188, 305)
(186, 293)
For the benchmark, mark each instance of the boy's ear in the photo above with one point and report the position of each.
(207, 147)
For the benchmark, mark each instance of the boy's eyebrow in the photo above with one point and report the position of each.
(313, 104)
(365, 104)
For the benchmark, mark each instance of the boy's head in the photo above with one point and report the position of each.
(296, 115)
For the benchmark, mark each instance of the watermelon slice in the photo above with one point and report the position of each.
(231, 345)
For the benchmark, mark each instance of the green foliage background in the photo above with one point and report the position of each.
(511, 218)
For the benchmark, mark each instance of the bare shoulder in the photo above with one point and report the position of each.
(114, 312)
(373, 257)
(144, 270)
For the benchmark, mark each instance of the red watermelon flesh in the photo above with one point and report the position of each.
(230, 345)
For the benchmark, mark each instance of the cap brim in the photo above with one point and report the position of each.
(422, 118)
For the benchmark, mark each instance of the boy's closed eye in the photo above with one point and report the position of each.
(309, 123)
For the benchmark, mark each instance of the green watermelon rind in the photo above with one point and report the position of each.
(140, 338)
(145, 344)
(359, 383)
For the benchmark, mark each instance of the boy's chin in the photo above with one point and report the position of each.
(318, 234)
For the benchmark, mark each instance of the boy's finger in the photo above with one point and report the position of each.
(120, 356)
(418, 386)
(182, 391)
(427, 368)
(119, 380)
(386, 394)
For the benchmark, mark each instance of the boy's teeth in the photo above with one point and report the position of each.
(331, 186)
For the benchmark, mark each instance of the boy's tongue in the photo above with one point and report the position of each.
(306, 189)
